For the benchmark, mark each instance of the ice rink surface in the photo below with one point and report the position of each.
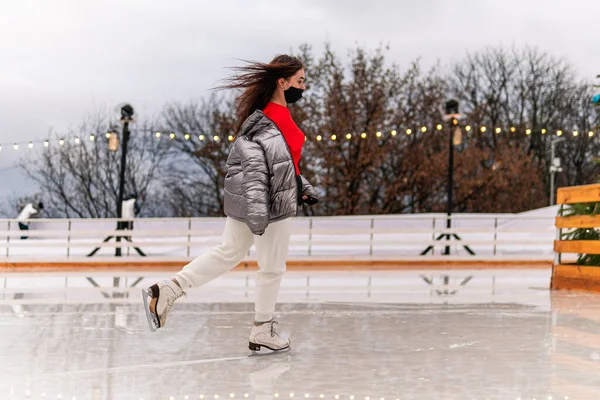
(359, 336)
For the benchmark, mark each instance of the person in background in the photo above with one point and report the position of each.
(26, 214)
(129, 210)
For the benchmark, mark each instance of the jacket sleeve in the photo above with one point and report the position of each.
(255, 186)
(309, 190)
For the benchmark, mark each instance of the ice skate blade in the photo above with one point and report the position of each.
(266, 351)
(152, 323)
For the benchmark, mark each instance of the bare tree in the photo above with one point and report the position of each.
(80, 177)
(194, 182)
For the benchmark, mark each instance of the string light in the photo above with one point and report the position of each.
(439, 127)
(334, 137)
(454, 121)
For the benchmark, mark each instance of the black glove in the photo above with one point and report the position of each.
(310, 200)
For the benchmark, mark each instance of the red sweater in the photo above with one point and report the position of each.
(291, 133)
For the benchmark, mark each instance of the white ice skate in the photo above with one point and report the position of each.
(265, 336)
(158, 300)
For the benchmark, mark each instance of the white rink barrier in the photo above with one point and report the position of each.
(527, 236)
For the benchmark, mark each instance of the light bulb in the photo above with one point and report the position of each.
(423, 129)
(558, 133)
(187, 136)
(31, 145)
(513, 129)
(483, 129)
(92, 138)
(394, 132)
(378, 134)
(216, 138)
(157, 135)
(408, 131)
(319, 138)
(348, 136)
(201, 137)
(333, 137)
(363, 135)
(439, 127)
(498, 130)
(575, 133)
(172, 136)
(468, 128)
(528, 131)
(231, 138)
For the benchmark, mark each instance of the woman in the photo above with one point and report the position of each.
(263, 189)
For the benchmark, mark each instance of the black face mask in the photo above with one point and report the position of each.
(292, 94)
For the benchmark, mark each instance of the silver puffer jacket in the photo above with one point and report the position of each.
(261, 184)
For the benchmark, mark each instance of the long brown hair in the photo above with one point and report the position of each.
(259, 82)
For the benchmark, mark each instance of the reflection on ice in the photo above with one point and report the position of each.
(500, 335)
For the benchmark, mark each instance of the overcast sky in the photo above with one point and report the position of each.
(63, 59)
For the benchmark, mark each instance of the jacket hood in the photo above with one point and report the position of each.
(256, 121)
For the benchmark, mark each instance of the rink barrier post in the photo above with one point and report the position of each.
(68, 238)
(310, 228)
(8, 240)
(433, 236)
(189, 238)
(495, 234)
(371, 237)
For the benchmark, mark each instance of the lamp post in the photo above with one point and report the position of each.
(554, 167)
(126, 117)
(451, 116)
(454, 138)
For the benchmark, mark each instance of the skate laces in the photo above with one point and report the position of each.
(273, 332)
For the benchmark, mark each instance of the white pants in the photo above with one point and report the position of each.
(271, 252)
